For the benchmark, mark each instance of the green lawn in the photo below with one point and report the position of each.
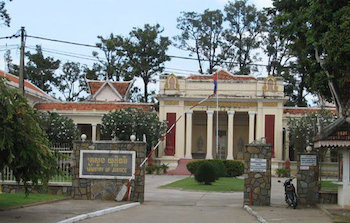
(224, 184)
(17, 200)
(328, 186)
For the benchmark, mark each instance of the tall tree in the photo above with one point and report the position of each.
(246, 27)
(4, 16)
(146, 50)
(41, 70)
(24, 147)
(202, 35)
(112, 64)
(319, 34)
(71, 82)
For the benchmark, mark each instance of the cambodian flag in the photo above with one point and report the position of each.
(215, 77)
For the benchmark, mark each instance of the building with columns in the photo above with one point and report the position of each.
(245, 108)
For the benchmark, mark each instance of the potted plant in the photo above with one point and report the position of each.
(165, 167)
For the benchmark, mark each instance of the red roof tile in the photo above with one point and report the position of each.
(222, 75)
(122, 87)
(27, 84)
(83, 106)
(94, 86)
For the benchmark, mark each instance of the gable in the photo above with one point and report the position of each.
(107, 93)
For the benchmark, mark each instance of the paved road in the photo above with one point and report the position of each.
(175, 206)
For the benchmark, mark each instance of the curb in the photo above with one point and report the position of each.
(322, 208)
(254, 214)
(100, 212)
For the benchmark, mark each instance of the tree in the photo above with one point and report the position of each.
(4, 16)
(246, 27)
(202, 36)
(24, 147)
(59, 129)
(71, 82)
(133, 121)
(41, 71)
(319, 34)
(146, 50)
(304, 129)
(112, 65)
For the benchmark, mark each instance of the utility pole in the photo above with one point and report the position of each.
(21, 63)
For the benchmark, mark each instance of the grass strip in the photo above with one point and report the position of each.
(224, 184)
(19, 199)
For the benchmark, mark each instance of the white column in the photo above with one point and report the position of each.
(346, 175)
(251, 125)
(209, 135)
(188, 154)
(230, 135)
(93, 133)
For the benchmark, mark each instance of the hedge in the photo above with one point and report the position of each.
(232, 168)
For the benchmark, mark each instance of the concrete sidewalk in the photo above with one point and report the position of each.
(155, 197)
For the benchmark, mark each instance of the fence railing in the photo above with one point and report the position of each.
(64, 164)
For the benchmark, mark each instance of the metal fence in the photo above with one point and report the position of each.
(64, 164)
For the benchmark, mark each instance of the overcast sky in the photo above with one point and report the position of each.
(82, 21)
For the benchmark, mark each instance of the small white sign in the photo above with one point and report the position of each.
(304, 167)
(258, 165)
(308, 160)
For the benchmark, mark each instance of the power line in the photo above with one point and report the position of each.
(94, 46)
(62, 41)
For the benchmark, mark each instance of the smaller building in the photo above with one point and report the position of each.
(31, 92)
(105, 97)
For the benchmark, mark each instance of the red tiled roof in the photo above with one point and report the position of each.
(83, 106)
(299, 111)
(94, 86)
(222, 75)
(27, 84)
(121, 87)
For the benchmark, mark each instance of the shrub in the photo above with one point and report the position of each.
(234, 168)
(220, 168)
(206, 173)
(150, 169)
(193, 165)
(282, 172)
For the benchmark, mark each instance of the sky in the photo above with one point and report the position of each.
(81, 21)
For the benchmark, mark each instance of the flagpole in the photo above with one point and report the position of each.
(217, 125)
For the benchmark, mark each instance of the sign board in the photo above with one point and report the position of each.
(308, 160)
(304, 167)
(107, 164)
(258, 165)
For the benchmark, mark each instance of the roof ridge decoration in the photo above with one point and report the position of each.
(222, 75)
(270, 84)
(172, 83)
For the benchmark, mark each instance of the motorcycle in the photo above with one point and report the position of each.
(290, 194)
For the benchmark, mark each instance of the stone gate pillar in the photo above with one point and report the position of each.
(100, 168)
(257, 173)
(307, 178)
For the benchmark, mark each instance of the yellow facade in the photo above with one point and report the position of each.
(236, 114)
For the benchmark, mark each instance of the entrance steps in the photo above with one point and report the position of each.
(181, 168)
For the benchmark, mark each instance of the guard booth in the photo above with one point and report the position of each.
(337, 136)
(257, 173)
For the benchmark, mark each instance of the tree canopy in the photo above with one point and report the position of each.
(146, 51)
(24, 147)
(59, 129)
(133, 121)
(4, 16)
